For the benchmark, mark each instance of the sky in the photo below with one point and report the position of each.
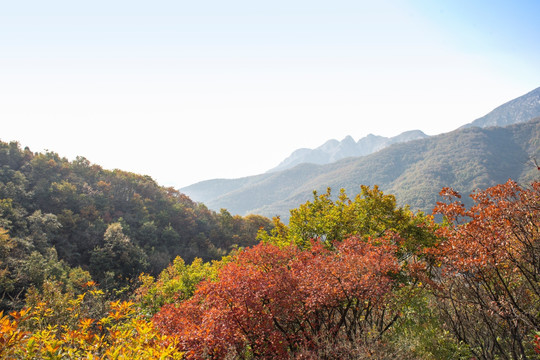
(186, 91)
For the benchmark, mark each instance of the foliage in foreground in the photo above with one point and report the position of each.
(469, 288)
(275, 301)
(488, 291)
(351, 279)
(331, 284)
(175, 283)
(42, 332)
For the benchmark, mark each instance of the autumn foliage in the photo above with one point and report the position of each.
(272, 301)
(119, 334)
(489, 287)
(345, 279)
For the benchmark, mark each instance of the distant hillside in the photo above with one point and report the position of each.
(334, 150)
(415, 171)
(522, 109)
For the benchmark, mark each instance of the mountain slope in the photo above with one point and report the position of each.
(57, 215)
(415, 171)
(334, 150)
(515, 111)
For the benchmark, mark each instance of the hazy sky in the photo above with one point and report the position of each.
(186, 91)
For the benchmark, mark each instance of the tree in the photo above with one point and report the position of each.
(489, 286)
(60, 326)
(177, 282)
(273, 302)
(118, 260)
(370, 214)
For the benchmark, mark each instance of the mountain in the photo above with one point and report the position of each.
(415, 171)
(334, 150)
(399, 165)
(515, 111)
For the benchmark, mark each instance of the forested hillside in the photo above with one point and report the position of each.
(60, 215)
(466, 159)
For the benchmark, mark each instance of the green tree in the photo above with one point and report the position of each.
(370, 214)
(118, 260)
(175, 283)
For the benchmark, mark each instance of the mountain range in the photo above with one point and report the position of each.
(478, 155)
(334, 150)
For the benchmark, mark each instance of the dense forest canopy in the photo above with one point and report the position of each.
(60, 215)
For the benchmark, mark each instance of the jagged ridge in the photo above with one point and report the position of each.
(334, 150)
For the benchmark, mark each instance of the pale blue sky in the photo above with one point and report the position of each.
(191, 90)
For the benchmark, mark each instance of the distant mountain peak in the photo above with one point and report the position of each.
(334, 150)
(330, 144)
(521, 109)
